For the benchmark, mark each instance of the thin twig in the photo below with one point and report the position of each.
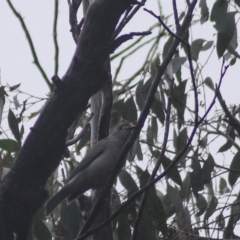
(167, 170)
(63, 175)
(175, 11)
(123, 38)
(158, 163)
(81, 134)
(73, 9)
(231, 119)
(30, 42)
(189, 61)
(128, 17)
(55, 41)
(217, 132)
(150, 98)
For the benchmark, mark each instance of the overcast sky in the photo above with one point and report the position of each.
(16, 59)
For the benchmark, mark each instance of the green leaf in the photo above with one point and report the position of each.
(179, 99)
(226, 28)
(183, 218)
(220, 220)
(2, 102)
(233, 61)
(186, 185)
(207, 45)
(177, 62)
(13, 124)
(174, 173)
(203, 142)
(130, 110)
(141, 92)
(208, 81)
(235, 209)
(174, 138)
(127, 181)
(34, 114)
(153, 218)
(174, 195)
(204, 11)
(154, 64)
(237, 2)
(70, 218)
(234, 218)
(154, 129)
(223, 188)
(14, 87)
(157, 109)
(218, 10)
(123, 229)
(143, 176)
(83, 141)
(196, 47)
(168, 206)
(201, 204)
(139, 151)
(181, 140)
(228, 143)
(155, 211)
(167, 45)
(235, 165)
(149, 135)
(135, 149)
(207, 169)
(40, 229)
(196, 183)
(9, 145)
(211, 208)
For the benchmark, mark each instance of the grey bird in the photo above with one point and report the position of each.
(93, 170)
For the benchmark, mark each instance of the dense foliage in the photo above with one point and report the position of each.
(187, 153)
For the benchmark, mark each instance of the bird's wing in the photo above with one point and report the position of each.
(96, 151)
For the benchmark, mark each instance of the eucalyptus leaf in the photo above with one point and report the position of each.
(211, 208)
(201, 204)
(219, 9)
(127, 181)
(13, 124)
(207, 169)
(70, 219)
(196, 47)
(41, 232)
(228, 143)
(123, 228)
(223, 188)
(204, 11)
(226, 29)
(174, 173)
(9, 145)
(235, 165)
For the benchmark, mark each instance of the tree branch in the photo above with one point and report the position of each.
(55, 41)
(150, 98)
(22, 190)
(31, 45)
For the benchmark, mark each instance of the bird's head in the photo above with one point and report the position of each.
(123, 129)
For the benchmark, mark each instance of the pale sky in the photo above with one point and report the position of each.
(16, 59)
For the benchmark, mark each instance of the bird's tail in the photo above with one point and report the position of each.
(55, 200)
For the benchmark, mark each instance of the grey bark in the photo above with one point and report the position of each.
(22, 190)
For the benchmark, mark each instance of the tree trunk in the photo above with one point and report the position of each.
(22, 190)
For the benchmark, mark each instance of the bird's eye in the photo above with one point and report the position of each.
(120, 128)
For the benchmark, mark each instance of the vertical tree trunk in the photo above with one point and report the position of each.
(22, 190)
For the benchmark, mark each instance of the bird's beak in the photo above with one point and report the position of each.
(132, 127)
